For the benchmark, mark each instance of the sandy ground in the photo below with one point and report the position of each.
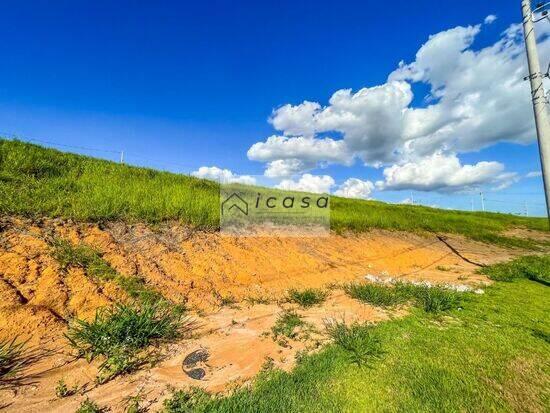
(37, 298)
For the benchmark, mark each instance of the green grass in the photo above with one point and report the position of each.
(360, 341)
(308, 297)
(85, 257)
(375, 294)
(531, 267)
(491, 355)
(118, 334)
(37, 182)
(287, 323)
(89, 406)
(12, 358)
(432, 299)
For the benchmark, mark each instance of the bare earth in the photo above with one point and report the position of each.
(37, 299)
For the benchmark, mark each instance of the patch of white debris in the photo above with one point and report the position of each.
(386, 279)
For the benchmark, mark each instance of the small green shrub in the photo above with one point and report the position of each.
(120, 332)
(286, 324)
(12, 358)
(62, 390)
(89, 406)
(535, 268)
(375, 294)
(359, 341)
(308, 297)
(184, 401)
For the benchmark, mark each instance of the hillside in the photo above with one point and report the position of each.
(38, 182)
(118, 290)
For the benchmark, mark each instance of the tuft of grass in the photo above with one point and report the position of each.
(375, 294)
(183, 401)
(532, 267)
(89, 406)
(12, 358)
(36, 181)
(62, 390)
(119, 333)
(82, 256)
(228, 301)
(359, 341)
(287, 323)
(432, 299)
(91, 261)
(308, 297)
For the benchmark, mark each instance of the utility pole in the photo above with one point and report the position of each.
(482, 201)
(526, 210)
(539, 98)
(121, 156)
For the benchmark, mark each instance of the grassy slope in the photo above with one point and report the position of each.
(35, 181)
(493, 355)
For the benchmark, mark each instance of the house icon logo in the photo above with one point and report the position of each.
(234, 201)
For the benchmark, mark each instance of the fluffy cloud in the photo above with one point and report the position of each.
(308, 183)
(305, 149)
(490, 19)
(481, 98)
(444, 173)
(355, 188)
(224, 176)
(477, 98)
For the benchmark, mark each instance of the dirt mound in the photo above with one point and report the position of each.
(205, 271)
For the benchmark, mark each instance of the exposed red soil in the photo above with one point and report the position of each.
(37, 298)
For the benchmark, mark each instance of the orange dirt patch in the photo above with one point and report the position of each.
(38, 298)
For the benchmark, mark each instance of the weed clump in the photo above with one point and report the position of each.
(82, 256)
(375, 294)
(12, 358)
(308, 297)
(359, 341)
(89, 406)
(91, 261)
(287, 323)
(62, 390)
(118, 334)
(432, 299)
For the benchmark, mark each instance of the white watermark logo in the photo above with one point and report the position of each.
(260, 211)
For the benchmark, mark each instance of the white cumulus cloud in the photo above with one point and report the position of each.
(477, 99)
(318, 184)
(355, 188)
(444, 173)
(224, 176)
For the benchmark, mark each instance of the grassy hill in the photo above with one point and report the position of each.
(36, 181)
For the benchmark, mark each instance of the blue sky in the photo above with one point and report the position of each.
(180, 85)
